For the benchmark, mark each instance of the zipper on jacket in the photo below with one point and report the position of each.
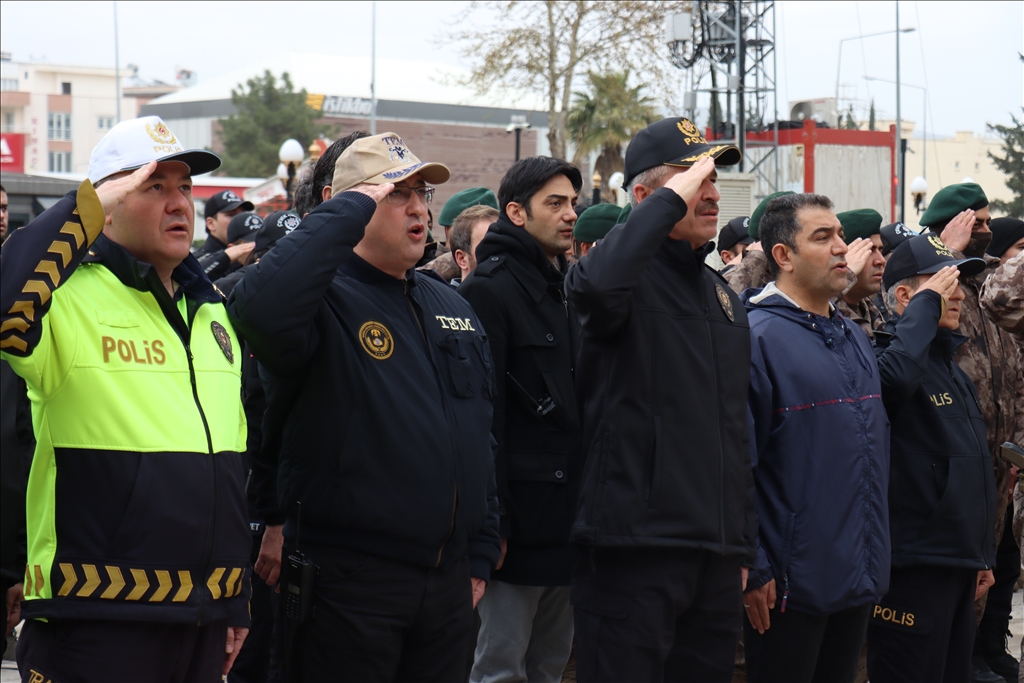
(419, 324)
(785, 593)
(718, 391)
(451, 526)
(974, 434)
(184, 330)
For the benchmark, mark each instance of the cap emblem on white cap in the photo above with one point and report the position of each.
(161, 133)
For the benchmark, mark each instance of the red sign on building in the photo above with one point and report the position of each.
(12, 152)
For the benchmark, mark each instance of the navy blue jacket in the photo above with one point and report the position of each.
(378, 397)
(821, 458)
(942, 498)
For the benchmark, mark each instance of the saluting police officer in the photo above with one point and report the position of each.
(379, 402)
(138, 544)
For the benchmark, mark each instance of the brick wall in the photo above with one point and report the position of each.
(478, 156)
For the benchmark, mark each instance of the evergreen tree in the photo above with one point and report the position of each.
(1012, 164)
(871, 115)
(269, 112)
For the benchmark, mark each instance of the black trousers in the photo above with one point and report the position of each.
(93, 651)
(806, 648)
(253, 664)
(1000, 596)
(656, 615)
(380, 620)
(923, 629)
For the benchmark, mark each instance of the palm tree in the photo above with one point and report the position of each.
(606, 118)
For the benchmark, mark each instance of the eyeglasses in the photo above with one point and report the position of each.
(401, 195)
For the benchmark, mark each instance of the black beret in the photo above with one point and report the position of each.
(1005, 233)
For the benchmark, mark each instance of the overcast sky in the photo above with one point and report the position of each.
(966, 53)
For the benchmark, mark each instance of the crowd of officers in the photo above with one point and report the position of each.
(324, 446)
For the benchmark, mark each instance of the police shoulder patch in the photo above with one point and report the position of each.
(725, 302)
(376, 340)
(223, 340)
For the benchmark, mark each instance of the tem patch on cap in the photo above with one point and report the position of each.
(725, 302)
(376, 340)
(223, 340)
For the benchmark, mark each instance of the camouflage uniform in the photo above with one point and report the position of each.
(1002, 296)
(992, 359)
(751, 273)
(444, 264)
(865, 314)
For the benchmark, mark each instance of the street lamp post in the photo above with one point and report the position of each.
(924, 145)
(839, 63)
(290, 154)
(518, 125)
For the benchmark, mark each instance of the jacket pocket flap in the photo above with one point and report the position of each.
(537, 466)
(117, 318)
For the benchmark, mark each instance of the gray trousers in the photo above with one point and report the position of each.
(525, 634)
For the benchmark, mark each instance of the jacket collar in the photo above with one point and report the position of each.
(359, 269)
(945, 340)
(682, 253)
(189, 275)
(525, 258)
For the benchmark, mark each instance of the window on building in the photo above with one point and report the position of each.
(60, 162)
(65, 88)
(8, 84)
(58, 126)
(105, 122)
(8, 121)
(977, 166)
(956, 165)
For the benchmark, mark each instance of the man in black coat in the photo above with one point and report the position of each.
(526, 620)
(666, 503)
(942, 495)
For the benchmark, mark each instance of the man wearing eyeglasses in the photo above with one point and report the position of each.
(378, 381)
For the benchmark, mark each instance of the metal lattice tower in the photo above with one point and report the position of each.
(728, 48)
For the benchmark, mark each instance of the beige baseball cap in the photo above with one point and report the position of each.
(380, 159)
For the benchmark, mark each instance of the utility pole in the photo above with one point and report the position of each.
(373, 70)
(117, 66)
(899, 126)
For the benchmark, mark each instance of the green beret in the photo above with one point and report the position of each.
(950, 201)
(624, 214)
(594, 223)
(861, 223)
(460, 201)
(755, 218)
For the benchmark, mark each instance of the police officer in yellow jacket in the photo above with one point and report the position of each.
(138, 541)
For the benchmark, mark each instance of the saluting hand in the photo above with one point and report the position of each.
(113, 192)
(376, 192)
(944, 282)
(957, 233)
(857, 254)
(687, 183)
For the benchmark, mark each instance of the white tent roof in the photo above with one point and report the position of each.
(399, 80)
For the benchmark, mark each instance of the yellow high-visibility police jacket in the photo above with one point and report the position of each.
(135, 505)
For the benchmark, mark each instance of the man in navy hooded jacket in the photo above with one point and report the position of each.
(820, 442)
